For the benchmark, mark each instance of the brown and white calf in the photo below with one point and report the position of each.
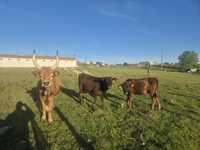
(141, 87)
(48, 87)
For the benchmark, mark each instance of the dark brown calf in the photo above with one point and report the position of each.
(95, 86)
(144, 86)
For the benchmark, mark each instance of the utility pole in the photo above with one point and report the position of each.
(148, 68)
(161, 63)
(57, 52)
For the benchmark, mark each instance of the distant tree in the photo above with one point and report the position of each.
(188, 60)
(167, 64)
(125, 64)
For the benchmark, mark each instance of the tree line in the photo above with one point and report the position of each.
(189, 60)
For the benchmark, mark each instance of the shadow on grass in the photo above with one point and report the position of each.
(192, 97)
(71, 93)
(82, 142)
(17, 137)
(75, 96)
(114, 103)
(35, 97)
(113, 99)
(180, 111)
(108, 95)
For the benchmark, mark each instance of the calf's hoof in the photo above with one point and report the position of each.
(43, 117)
(50, 120)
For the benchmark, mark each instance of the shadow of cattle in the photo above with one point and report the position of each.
(35, 97)
(18, 136)
(191, 97)
(80, 140)
(109, 95)
(186, 112)
(113, 98)
(75, 96)
(71, 93)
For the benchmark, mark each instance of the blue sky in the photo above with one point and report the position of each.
(113, 31)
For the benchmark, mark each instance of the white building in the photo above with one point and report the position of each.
(26, 61)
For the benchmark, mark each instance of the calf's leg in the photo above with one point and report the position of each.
(94, 103)
(129, 100)
(81, 91)
(42, 100)
(154, 101)
(81, 97)
(158, 102)
(49, 108)
(102, 101)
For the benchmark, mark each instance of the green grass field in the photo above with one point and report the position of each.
(175, 127)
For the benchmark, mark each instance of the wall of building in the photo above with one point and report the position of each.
(27, 62)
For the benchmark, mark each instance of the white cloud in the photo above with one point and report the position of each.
(116, 14)
(122, 10)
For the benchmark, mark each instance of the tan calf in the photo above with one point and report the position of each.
(48, 87)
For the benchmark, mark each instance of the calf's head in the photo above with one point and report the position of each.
(45, 74)
(107, 82)
(126, 86)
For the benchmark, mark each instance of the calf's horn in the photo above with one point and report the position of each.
(35, 61)
(57, 61)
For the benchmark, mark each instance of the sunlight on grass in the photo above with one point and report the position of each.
(176, 126)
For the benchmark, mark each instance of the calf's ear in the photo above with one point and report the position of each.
(56, 73)
(36, 73)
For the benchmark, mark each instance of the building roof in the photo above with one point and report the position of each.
(29, 56)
